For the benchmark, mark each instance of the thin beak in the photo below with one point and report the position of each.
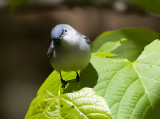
(56, 40)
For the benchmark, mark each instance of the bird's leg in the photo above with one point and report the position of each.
(64, 83)
(77, 77)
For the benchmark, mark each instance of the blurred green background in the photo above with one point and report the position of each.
(25, 37)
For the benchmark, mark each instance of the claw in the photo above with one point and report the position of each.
(77, 77)
(64, 83)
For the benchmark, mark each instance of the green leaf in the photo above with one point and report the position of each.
(150, 5)
(126, 43)
(84, 104)
(132, 90)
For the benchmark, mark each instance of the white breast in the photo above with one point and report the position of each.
(71, 56)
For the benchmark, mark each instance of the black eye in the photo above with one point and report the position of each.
(65, 30)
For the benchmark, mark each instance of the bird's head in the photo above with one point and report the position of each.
(63, 32)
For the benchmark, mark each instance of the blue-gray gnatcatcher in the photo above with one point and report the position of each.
(69, 50)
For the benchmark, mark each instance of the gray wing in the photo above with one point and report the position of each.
(87, 39)
(50, 49)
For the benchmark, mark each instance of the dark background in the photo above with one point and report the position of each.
(25, 38)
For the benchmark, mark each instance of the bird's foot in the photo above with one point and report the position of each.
(64, 83)
(77, 77)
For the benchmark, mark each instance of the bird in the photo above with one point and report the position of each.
(69, 50)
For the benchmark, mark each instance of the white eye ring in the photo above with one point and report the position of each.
(65, 30)
(85, 37)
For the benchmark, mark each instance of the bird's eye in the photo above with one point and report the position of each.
(65, 30)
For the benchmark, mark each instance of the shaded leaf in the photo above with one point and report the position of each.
(115, 42)
(150, 5)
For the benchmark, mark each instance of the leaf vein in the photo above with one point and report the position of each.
(144, 87)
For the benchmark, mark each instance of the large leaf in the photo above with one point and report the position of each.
(52, 103)
(126, 43)
(150, 5)
(132, 90)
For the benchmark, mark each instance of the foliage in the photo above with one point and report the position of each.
(126, 43)
(82, 104)
(131, 89)
(150, 5)
(17, 3)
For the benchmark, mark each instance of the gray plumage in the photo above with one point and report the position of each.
(69, 49)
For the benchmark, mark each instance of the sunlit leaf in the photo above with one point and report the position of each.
(84, 104)
(132, 90)
(104, 54)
